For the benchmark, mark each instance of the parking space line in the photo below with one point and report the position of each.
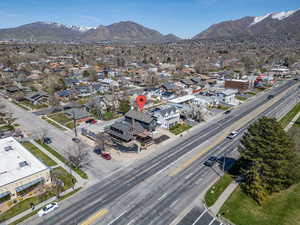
(199, 217)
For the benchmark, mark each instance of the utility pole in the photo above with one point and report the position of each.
(74, 123)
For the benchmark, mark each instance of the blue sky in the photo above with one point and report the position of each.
(184, 18)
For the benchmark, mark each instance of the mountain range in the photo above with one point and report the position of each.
(119, 32)
(273, 25)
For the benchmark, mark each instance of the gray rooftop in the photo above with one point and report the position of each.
(140, 116)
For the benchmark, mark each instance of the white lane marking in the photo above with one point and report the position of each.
(199, 217)
(212, 221)
(131, 221)
(188, 176)
(117, 218)
(174, 203)
(163, 196)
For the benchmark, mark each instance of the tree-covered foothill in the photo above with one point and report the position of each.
(269, 162)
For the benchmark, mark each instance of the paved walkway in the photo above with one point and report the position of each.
(37, 207)
(223, 197)
(292, 122)
(80, 181)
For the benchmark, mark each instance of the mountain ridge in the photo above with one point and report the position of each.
(124, 31)
(272, 24)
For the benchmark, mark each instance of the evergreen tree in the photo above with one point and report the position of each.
(269, 162)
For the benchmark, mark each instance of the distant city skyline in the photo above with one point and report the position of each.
(184, 18)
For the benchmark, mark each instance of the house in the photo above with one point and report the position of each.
(83, 91)
(187, 82)
(12, 89)
(167, 117)
(206, 101)
(109, 83)
(80, 115)
(64, 94)
(144, 119)
(70, 82)
(36, 97)
(169, 86)
(227, 96)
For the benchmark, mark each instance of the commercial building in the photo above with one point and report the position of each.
(20, 171)
(240, 85)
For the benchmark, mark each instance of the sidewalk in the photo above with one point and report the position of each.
(292, 122)
(37, 207)
(223, 197)
(80, 181)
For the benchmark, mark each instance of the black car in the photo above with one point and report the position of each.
(76, 140)
(211, 161)
(227, 112)
(270, 97)
(47, 140)
(98, 151)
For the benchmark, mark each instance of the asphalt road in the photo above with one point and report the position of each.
(143, 194)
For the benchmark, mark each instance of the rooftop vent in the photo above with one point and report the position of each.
(8, 148)
(23, 163)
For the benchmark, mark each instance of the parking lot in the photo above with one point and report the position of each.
(199, 216)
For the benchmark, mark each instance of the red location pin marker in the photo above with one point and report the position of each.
(141, 101)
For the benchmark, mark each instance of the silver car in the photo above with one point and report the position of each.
(48, 208)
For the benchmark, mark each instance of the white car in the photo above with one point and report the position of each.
(48, 208)
(233, 134)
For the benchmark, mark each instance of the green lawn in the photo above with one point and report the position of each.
(6, 128)
(36, 211)
(70, 125)
(281, 209)
(20, 105)
(65, 177)
(250, 93)
(39, 154)
(80, 172)
(179, 128)
(24, 205)
(222, 107)
(215, 191)
(60, 117)
(54, 124)
(241, 98)
(290, 115)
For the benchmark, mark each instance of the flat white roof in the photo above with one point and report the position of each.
(238, 80)
(12, 158)
(182, 99)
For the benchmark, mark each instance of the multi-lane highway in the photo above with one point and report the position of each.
(146, 192)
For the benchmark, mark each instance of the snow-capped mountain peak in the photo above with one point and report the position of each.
(283, 15)
(258, 19)
(276, 15)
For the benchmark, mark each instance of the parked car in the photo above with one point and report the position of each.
(106, 156)
(48, 208)
(47, 140)
(270, 96)
(233, 134)
(98, 151)
(227, 112)
(76, 140)
(211, 161)
(91, 121)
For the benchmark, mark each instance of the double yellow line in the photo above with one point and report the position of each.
(94, 217)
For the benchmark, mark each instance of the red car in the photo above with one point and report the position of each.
(93, 121)
(106, 156)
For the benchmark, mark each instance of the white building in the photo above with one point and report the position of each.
(228, 96)
(20, 170)
(183, 99)
(167, 117)
(206, 101)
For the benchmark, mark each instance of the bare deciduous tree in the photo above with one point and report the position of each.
(78, 156)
